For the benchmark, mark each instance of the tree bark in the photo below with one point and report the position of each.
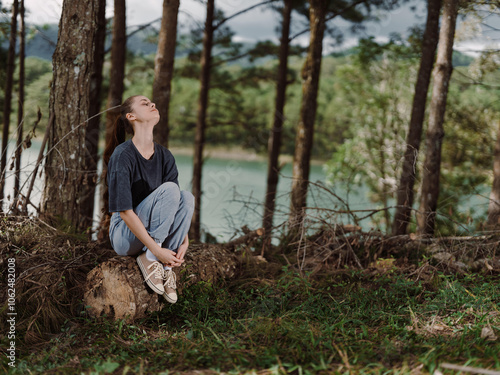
(94, 124)
(164, 67)
(7, 107)
(115, 93)
(73, 62)
(405, 193)
(20, 109)
(494, 205)
(118, 59)
(199, 141)
(426, 216)
(274, 142)
(305, 128)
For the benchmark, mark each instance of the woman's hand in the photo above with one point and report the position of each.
(181, 251)
(168, 257)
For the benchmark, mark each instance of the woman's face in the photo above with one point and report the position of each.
(143, 110)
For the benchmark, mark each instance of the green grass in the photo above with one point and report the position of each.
(348, 322)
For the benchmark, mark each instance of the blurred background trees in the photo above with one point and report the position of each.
(253, 97)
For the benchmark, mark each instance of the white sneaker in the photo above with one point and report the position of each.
(152, 271)
(170, 285)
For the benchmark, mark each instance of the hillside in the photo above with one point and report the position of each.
(42, 42)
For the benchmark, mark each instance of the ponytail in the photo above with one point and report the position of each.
(117, 137)
(121, 126)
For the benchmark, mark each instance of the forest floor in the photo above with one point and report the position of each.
(388, 316)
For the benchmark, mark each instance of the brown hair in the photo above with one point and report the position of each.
(121, 127)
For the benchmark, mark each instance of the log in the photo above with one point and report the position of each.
(116, 289)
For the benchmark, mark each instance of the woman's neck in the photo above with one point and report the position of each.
(144, 144)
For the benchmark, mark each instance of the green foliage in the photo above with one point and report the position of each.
(375, 130)
(348, 321)
(379, 86)
(468, 146)
(34, 68)
(38, 79)
(364, 106)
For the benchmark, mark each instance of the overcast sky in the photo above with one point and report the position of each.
(258, 24)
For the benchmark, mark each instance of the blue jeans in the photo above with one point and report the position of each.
(166, 214)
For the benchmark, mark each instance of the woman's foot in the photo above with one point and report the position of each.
(152, 271)
(169, 286)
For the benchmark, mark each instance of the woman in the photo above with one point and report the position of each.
(150, 215)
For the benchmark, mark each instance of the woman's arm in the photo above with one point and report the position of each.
(166, 256)
(181, 251)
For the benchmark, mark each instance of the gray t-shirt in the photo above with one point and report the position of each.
(131, 177)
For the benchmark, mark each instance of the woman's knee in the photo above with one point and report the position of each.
(188, 200)
(171, 190)
(124, 243)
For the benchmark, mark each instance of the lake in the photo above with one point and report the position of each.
(233, 189)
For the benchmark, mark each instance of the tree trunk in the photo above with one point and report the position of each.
(116, 287)
(199, 140)
(94, 124)
(20, 109)
(7, 107)
(494, 205)
(164, 67)
(405, 193)
(115, 93)
(426, 216)
(305, 129)
(274, 143)
(73, 62)
(117, 70)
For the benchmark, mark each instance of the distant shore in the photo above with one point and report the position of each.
(219, 152)
(235, 154)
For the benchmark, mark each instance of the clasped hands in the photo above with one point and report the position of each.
(171, 258)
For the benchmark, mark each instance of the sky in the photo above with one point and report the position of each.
(261, 23)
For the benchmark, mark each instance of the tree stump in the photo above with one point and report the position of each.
(116, 288)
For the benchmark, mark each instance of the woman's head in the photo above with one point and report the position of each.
(139, 109)
(135, 109)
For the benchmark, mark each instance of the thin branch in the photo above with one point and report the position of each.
(142, 27)
(329, 18)
(45, 36)
(139, 28)
(473, 370)
(491, 27)
(242, 11)
(41, 156)
(234, 58)
(474, 82)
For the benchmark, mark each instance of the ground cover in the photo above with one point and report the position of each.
(347, 321)
(389, 317)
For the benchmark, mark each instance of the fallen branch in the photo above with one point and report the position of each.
(246, 238)
(473, 370)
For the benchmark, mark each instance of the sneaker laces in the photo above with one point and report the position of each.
(157, 270)
(170, 279)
